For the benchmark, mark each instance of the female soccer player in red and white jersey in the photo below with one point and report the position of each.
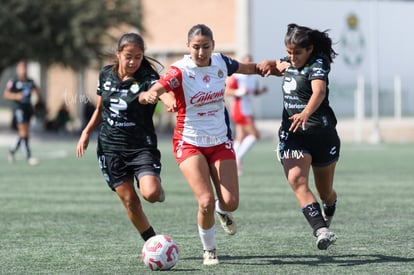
(202, 138)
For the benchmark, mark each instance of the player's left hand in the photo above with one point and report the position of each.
(298, 120)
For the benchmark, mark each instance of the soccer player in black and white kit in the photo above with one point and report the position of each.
(127, 143)
(308, 136)
(19, 91)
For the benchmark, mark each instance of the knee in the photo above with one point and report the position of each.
(154, 196)
(231, 205)
(206, 205)
(151, 189)
(298, 183)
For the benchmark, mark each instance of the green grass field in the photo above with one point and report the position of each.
(60, 217)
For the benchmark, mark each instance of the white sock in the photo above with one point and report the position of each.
(245, 146)
(236, 146)
(208, 238)
(218, 209)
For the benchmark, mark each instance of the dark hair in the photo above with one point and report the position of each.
(136, 39)
(305, 37)
(199, 29)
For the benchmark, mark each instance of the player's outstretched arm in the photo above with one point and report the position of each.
(89, 128)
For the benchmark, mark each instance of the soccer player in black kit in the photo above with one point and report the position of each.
(127, 142)
(19, 91)
(308, 136)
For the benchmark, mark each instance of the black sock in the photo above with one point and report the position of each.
(313, 215)
(27, 147)
(148, 233)
(329, 209)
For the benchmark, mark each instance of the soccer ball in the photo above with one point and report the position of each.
(160, 252)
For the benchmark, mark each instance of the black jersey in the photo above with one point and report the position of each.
(22, 86)
(126, 124)
(297, 91)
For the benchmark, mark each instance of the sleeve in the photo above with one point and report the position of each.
(172, 79)
(10, 85)
(232, 64)
(319, 69)
(152, 79)
(100, 85)
(104, 76)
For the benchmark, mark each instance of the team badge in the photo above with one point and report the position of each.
(19, 85)
(134, 88)
(220, 73)
(174, 83)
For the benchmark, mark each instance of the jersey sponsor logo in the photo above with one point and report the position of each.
(291, 97)
(125, 124)
(209, 113)
(124, 92)
(208, 140)
(289, 84)
(118, 104)
(203, 98)
(318, 72)
(294, 106)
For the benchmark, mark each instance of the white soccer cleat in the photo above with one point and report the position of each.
(32, 161)
(210, 257)
(324, 238)
(227, 222)
(10, 158)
